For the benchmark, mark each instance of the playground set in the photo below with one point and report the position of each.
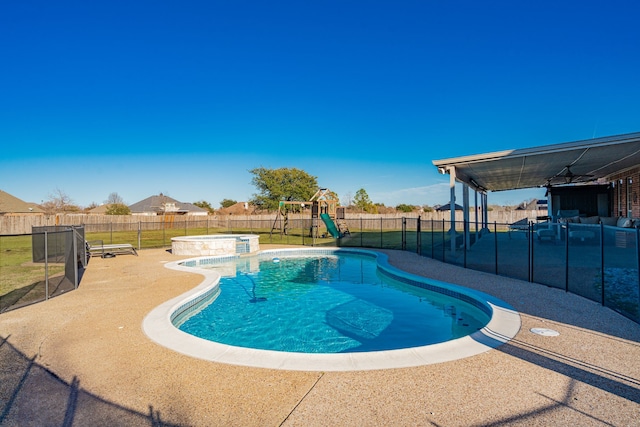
(324, 207)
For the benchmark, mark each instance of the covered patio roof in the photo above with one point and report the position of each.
(566, 163)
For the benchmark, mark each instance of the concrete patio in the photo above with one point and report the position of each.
(83, 359)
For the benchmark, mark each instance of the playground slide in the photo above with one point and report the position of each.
(331, 227)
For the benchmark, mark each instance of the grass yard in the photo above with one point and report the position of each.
(386, 239)
(21, 280)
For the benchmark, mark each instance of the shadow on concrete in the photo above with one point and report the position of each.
(605, 379)
(552, 406)
(579, 372)
(30, 394)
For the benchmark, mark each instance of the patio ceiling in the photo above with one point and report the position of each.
(558, 164)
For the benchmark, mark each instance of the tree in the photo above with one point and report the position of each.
(205, 205)
(348, 198)
(405, 208)
(117, 209)
(284, 184)
(92, 205)
(362, 201)
(114, 199)
(332, 195)
(225, 203)
(59, 202)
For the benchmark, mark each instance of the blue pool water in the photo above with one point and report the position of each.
(327, 304)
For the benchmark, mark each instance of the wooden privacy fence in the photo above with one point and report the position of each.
(23, 224)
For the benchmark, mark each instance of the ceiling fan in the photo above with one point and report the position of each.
(568, 177)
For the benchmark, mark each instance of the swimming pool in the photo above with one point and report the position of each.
(361, 329)
(324, 303)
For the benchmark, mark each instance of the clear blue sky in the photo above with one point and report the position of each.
(183, 98)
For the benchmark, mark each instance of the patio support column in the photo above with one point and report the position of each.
(452, 207)
(465, 216)
(549, 205)
(475, 212)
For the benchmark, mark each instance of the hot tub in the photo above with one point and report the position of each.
(215, 244)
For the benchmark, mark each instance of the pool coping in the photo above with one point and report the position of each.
(504, 324)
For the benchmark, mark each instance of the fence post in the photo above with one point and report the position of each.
(419, 235)
(495, 243)
(530, 250)
(465, 228)
(360, 231)
(404, 234)
(443, 241)
(380, 232)
(637, 266)
(602, 260)
(432, 248)
(46, 265)
(75, 258)
(566, 258)
(139, 234)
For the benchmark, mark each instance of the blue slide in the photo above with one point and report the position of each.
(331, 227)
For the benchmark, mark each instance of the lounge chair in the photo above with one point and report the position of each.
(97, 247)
(521, 225)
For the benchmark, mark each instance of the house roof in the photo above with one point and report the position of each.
(571, 162)
(102, 209)
(532, 205)
(190, 207)
(11, 204)
(239, 208)
(163, 204)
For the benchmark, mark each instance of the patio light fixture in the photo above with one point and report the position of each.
(568, 176)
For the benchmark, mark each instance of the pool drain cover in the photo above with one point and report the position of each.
(545, 332)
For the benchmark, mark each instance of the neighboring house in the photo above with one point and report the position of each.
(240, 208)
(11, 205)
(447, 207)
(194, 210)
(99, 210)
(165, 205)
(533, 205)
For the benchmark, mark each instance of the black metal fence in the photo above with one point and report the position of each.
(595, 261)
(35, 267)
(361, 232)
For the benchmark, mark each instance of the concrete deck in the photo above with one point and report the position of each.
(83, 359)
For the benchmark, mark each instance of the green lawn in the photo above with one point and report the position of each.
(20, 278)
